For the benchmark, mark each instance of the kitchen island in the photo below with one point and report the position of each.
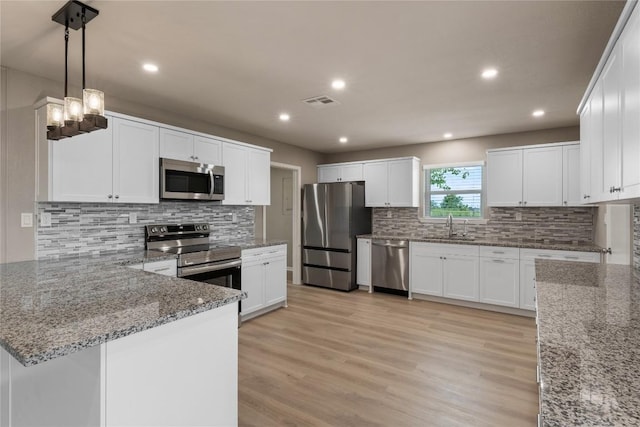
(589, 344)
(89, 342)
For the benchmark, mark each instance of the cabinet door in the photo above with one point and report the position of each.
(585, 154)
(375, 191)
(176, 145)
(630, 49)
(253, 282)
(527, 285)
(542, 176)
(207, 150)
(504, 178)
(500, 281)
(351, 172)
(259, 177)
(425, 273)
(135, 157)
(460, 277)
(571, 177)
(275, 280)
(329, 173)
(82, 167)
(363, 267)
(401, 183)
(596, 146)
(611, 76)
(165, 268)
(234, 158)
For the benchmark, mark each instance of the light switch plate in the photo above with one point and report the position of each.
(26, 220)
(45, 219)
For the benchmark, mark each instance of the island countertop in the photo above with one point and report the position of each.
(589, 343)
(51, 308)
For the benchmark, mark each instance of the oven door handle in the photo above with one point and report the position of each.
(197, 269)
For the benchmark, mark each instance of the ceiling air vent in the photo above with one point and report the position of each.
(320, 101)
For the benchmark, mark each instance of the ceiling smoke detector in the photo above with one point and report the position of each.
(320, 101)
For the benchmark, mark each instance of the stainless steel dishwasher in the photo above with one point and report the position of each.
(390, 264)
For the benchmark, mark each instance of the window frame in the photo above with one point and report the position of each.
(426, 193)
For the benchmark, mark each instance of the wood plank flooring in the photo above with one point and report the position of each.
(355, 359)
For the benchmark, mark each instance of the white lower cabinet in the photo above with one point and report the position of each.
(500, 276)
(528, 273)
(167, 267)
(444, 270)
(363, 268)
(264, 279)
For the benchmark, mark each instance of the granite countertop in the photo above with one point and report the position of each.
(509, 243)
(589, 340)
(51, 308)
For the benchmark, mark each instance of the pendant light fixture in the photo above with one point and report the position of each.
(77, 115)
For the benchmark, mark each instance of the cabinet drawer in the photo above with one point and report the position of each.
(559, 255)
(445, 249)
(264, 251)
(327, 258)
(166, 268)
(499, 252)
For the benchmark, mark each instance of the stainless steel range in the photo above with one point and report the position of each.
(198, 259)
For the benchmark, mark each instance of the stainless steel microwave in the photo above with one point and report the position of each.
(190, 180)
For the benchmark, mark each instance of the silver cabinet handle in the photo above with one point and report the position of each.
(565, 202)
(571, 257)
(117, 196)
(110, 196)
(520, 202)
(544, 256)
(161, 269)
(497, 252)
(524, 203)
(501, 261)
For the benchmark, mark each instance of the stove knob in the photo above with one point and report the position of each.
(197, 228)
(205, 226)
(163, 229)
(154, 230)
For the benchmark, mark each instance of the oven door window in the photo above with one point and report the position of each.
(229, 278)
(187, 182)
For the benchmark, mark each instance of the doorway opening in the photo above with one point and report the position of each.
(282, 219)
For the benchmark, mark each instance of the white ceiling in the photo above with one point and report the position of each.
(412, 68)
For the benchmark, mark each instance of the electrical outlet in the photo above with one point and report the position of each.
(45, 219)
(518, 216)
(389, 213)
(133, 217)
(26, 220)
(234, 218)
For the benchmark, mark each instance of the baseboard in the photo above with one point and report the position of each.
(478, 305)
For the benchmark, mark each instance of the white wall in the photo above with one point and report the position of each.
(279, 215)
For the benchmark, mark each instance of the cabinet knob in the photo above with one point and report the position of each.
(520, 202)
(110, 196)
(524, 203)
(196, 158)
(565, 202)
(117, 196)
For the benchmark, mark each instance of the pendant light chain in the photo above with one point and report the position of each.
(84, 25)
(66, 59)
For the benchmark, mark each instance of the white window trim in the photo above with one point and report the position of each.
(428, 220)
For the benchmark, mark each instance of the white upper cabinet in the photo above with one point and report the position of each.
(630, 48)
(118, 164)
(392, 183)
(135, 162)
(185, 146)
(504, 178)
(585, 155)
(81, 167)
(529, 176)
(571, 177)
(610, 121)
(247, 175)
(340, 172)
(542, 176)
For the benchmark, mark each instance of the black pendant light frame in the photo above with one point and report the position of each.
(75, 15)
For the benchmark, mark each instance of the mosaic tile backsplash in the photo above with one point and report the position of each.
(90, 228)
(561, 225)
(636, 236)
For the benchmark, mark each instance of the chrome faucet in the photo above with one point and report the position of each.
(449, 224)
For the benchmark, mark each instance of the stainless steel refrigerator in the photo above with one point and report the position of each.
(333, 214)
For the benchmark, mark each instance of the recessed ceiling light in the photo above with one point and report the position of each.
(343, 140)
(338, 84)
(489, 73)
(448, 135)
(538, 113)
(284, 117)
(152, 68)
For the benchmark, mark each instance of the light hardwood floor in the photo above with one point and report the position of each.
(356, 359)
